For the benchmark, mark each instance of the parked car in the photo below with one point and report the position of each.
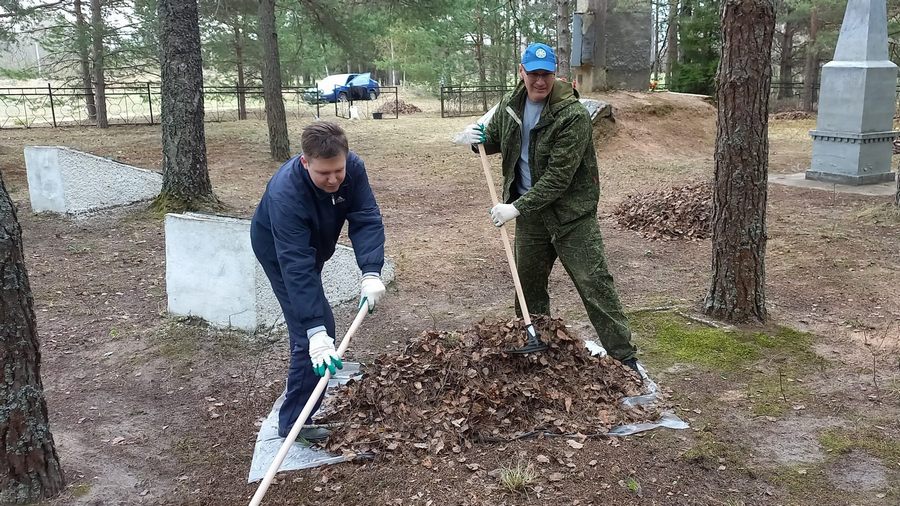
(344, 87)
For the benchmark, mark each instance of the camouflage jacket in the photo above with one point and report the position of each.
(564, 174)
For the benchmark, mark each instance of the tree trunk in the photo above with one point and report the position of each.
(84, 42)
(671, 41)
(99, 80)
(563, 39)
(479, 55)
(279, 145)
(897, 195)
(239, 56)
(786, 66)
(810, 69)
(393, 65)
(30, 461)
(186, 185)
(737, 291)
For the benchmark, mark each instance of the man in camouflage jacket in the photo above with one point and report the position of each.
(551, 187)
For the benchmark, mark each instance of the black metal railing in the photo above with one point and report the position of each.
(140, 104)
(383, 104)
(473, 100)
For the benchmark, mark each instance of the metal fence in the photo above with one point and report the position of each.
(386, 105)
(140, 104)
(459, 101)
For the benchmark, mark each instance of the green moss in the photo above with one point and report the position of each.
(803, 481)
(706, 453)
(773, 393)
(668, 338)
(170, 203)
(870, 440)
(81, 490)
(671, 338)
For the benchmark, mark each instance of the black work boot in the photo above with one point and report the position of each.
(632, 364)
(314, 434)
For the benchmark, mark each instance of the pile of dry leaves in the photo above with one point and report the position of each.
(450, 389)
(400, 105)
(792, 115)
(683, 212)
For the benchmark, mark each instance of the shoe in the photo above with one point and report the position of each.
(632, 363)
(314, 434)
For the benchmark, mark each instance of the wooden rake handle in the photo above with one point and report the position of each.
(307, 409)
(505, 236)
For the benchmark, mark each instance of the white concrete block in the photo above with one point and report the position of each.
(63, 180)
(211, 272)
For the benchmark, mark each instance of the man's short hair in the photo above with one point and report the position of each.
(323, 139)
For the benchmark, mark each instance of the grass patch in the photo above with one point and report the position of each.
(193, 452)
(883, 214)
(517, 478)
(81, 490)
(658, 109)
(804, 481)
(80, 248)
(869, 440)
(633, 486)
(706, 453)
(709, 453)
(145, 214)
(773, 394)
(182, 339)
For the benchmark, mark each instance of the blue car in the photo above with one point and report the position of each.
(346, 87)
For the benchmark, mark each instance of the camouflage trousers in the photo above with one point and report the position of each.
(580, 250)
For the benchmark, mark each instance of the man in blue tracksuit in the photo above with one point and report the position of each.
(294, 231)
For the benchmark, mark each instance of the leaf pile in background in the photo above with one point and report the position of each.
(682, 212)
(401, 106)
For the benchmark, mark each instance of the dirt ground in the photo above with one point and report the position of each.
(149, 409)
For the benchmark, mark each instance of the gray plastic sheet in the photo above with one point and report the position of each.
(300, 455)
(650, 397)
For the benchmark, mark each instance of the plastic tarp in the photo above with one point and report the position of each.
(300, 456)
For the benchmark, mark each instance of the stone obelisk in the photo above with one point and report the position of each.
(852, 142)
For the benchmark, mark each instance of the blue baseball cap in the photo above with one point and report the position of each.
(538, 56)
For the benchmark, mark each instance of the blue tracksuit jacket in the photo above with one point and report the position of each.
(296, 227)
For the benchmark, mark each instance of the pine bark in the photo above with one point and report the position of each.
(98, 29)
(186, 184)
(279, 145)
(737, 289)
(671, 41)
(239, 56)
(811, 66)
(32, 466)
(786, 61)
(84, 60)
(564, 39)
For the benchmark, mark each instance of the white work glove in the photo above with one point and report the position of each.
(371, 289)
(323, 354)
(473, 134)
(501, 213)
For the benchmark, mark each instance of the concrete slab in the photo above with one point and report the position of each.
(211, 272)
(66, 181)
(799, 180)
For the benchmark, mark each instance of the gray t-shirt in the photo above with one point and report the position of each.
(532, 115)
